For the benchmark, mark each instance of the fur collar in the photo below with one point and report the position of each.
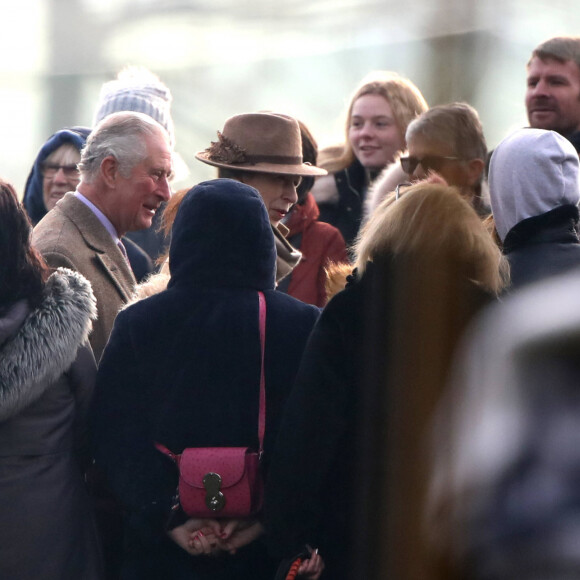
(46, 344)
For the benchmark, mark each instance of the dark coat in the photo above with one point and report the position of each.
(182, 368)
(308, 496)
(574, 138)
(46, 382)
(543, 246)
(346, 212)
(330, 466)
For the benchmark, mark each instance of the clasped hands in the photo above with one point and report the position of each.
(211, 537)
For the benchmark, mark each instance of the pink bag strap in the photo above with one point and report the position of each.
(262, 410)
(262, 413)
(163, 449)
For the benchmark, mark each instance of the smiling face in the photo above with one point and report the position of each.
(553, 95)
(373, 133)
(278, 192)
(59, 174)
(139, 196)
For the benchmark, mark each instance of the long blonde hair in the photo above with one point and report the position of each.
(429, 222)
(403, 96)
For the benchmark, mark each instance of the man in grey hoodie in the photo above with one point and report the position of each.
(534, 191)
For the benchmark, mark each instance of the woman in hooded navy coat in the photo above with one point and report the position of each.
(182, 368)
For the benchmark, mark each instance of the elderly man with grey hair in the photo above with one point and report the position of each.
(125, 167)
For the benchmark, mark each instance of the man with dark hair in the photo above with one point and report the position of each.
(553, 87)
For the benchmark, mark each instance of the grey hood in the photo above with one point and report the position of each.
(531, 172)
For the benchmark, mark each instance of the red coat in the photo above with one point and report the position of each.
(320, 244)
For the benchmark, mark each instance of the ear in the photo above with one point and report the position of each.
(475, 168)
(110, 170)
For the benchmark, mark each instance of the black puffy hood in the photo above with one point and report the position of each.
(222, 237)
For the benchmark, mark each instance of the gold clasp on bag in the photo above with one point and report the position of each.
(214, 498)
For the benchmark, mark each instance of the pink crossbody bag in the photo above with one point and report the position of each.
(224, 481)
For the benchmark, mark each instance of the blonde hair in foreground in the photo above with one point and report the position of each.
(432, 222)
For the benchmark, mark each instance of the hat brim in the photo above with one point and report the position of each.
(301, 169)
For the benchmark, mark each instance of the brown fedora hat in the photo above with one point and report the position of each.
(259, 142)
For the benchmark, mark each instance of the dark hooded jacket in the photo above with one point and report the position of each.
(341, 197)
(182, 368)
(533, 186)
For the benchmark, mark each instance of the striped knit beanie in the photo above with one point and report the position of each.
(137, 89)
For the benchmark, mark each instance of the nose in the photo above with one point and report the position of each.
(290, 193)
(366, 129)
(541, 88)
(419, 173)
(164, 189)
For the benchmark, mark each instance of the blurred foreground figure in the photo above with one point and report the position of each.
(347, 469)
(47, 375)
(506, 487)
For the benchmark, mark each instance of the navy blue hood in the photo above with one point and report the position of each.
(33, 201)
(222, 237)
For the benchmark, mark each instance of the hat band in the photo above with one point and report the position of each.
(274, 159)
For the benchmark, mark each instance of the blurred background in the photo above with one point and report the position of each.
(223, 57)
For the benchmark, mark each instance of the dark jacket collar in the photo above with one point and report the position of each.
(574, 138)
(557, 225)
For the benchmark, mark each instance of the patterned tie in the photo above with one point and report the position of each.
(123, 250)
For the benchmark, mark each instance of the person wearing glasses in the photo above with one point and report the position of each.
(55, 173)
(449, 140)
(376, 121)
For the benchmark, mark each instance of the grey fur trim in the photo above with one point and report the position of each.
(46, 344)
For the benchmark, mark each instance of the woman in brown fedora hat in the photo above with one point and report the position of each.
(264, 150)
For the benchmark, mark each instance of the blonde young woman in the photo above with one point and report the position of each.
(376, 121)
(423, 262)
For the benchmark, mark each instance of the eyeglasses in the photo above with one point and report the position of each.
(429, 163)
(49, 170)
(398, 188)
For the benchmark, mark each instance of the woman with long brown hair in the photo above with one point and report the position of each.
(425, 264)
